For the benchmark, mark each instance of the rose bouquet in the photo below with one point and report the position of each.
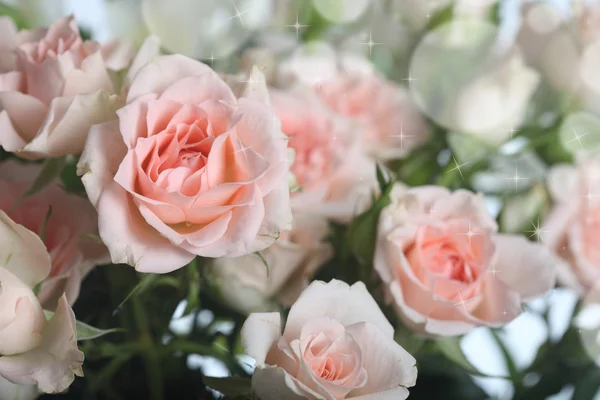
(276, 200)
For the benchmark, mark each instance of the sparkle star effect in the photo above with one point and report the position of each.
(370, 43)
(238, 14)
(458, 167)
(494, 271)
(410, 79)
(516, 177)
(297, 26)
(590, 196)
(577, 138)
(243, 148)
(462, 301)
(470, 233)
(538, 231)
(212, 58)
(402, 136)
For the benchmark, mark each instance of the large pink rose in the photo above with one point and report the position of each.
(68, 232)
(391, 125)
(53, 87)
(334, 176)
(571, 228)
(32, 350)
(188, 169)
(252, 283)
(336, 344)
(445, 267)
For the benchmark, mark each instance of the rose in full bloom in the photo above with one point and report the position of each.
(390, 123)
(571, 227)
(53, 87)
(67, 223)
(257, 283)
(32, 349)
(336, 344)
(334, 176)
(445, 267)
(188, 169)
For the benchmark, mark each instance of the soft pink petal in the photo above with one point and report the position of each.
(338, 300)
(101, 157)
(130, 239)
(54, 364)
(147, 52)
(90, 77)
(260, 332)
(387, 364)
(68, 123)
(160, 73)
(118, 53)
(199, 88)
(528, 268)
(22, 252)
(25, 112)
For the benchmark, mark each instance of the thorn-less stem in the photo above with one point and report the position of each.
(150, 355)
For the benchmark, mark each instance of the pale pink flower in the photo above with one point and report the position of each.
(336, 344)
(32, 350)
(334, 176)
(53, 87)
(188, 169)
(571, 227)
(445, 267)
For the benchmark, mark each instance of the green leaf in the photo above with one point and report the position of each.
(230, 386)
(588, 385)
(363, 230)
(50, 171)
(381, 178)
(450, 348)
(85, 331)
(444, 15)
(410, 341)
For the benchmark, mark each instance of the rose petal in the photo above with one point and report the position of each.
(130, 239)
(67, 125)
(160, 73)
(25, 112)
(274, 383)
(388, 365)
(54, 364)
(100, 160)
(260, 332)
(22, 252)
(528, 268)
(339, 301)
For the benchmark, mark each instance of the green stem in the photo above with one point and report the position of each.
(150, 355)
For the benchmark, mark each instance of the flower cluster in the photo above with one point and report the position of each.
(302, 206)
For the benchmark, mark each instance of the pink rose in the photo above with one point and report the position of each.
(571, 228)
(336, 344)
(188, 169)
(53, 87)
(32, 350)
(71, 219)
(445, 267)
(391, 125)
(251, 283)
(335, 177)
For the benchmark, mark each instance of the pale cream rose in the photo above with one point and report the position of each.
(32, 349)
